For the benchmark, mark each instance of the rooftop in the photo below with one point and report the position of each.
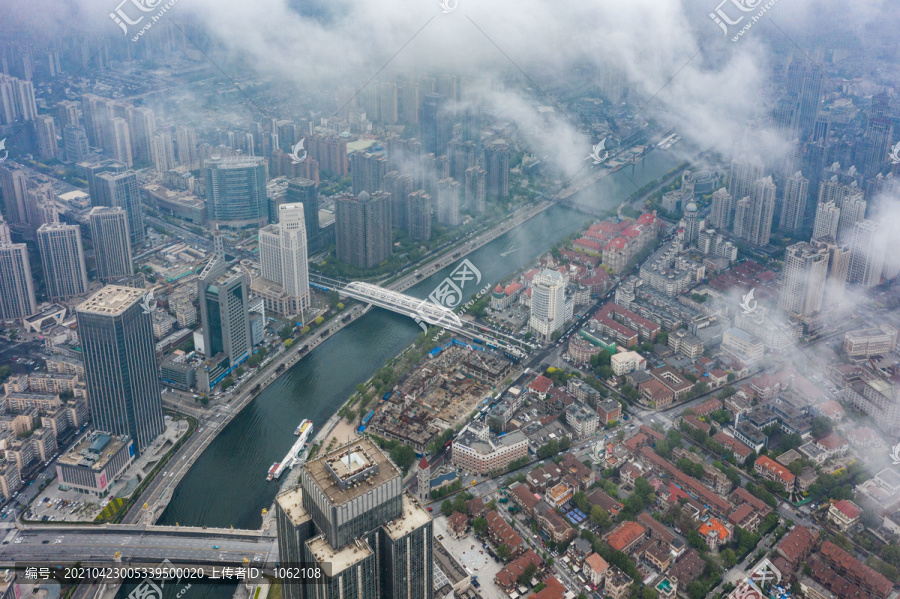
(340, 476)
(332, 561)
(112, 300)
(413, 518)
(291, 502)
(94, 451)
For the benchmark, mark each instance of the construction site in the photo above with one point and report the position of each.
(452, 381)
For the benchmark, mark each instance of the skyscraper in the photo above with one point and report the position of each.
(112, 242)
(283, 258)
(62, 258)
(691, 224)
(753, 214)
(805, 272)
(367, 172)
(14, 185)
(744, 172)
(223, 292)
(435, 124)
(804, 82)
(236, 191)
(838, 269)
(45, 131)
(66, 113)
(418, 215)
(853, 210)
(548, 303)
(118, 141)
(162, 151)
(142, 127)
(722, 209)
(448, 202)
(115, 327)
(867, 253)
(16, 286)
(496, 163)
(17, 102)
(306, 192)
(351, 518)
(827, 218)
(363, 229)
(476, 189)
(186, 144)
(121, 190)
(399, 186)
(76, 143)
(793, 208)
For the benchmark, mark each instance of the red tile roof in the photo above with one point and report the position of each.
(772, 466)
(844, 562)
(624, 535)
(797, 544)
(848, 508)
(508, 576)
(541, 384)
(832, 441)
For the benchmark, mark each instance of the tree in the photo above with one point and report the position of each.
(340, 306)
(600, 517)
(403, 456)
(480, 526)
(728, 558)
(495, 423)
(319, 320)
(227, 382)
(288, 343)
(447, 507)
(239, 372)
(527, 573)
(821, 426)
(304, 330)
(565, 443)
(581, 501)
(504, 553)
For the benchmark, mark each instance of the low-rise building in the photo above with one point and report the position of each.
(844, 514)
(582, 419)
(769, 469)
(626, 536)
(95, 463)
(595, 568)
(624, 362)
(479, 451)
(617, 584)
(715, 533)
(609, 411)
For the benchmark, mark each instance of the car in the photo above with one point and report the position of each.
(215, 546)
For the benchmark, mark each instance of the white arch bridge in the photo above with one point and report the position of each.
(421, 310)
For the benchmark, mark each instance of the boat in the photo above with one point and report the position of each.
(299, 428)
(293, 455)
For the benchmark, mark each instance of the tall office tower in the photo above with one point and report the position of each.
(331, 154)
(76, 143)
(119, 141)
(722, 209)
(785, 117)
(793, 208)
(853, 210)
(838, 269)
(16, 286)
(92, 170)
(53, 63)
(418, 215)
(399, 186)
(877, 145)
(462, 156)
(186, 141)
(827, 218)
(236, 191)
(753, 214)
(691, 224)
(306, 192)
(834, 189)
(435, 124)
(408, 100)
(96, 113)
(803, 285)
(744, 172)
(14, 185)
(142, 127)
(548, 303)
(283, 258)
(388, 107)
(448, 202)
(16, 100)
(115, 328)
(223, 293)
(496, 163)
(351, 518)
(804, 82)
(41, 206)
(162, 151)
(367, 172)
(45, 131)
(363, 229)
(471, 124)
(5, 236)
(476, 189)
(867, 254)
(66, 113)
(121, 190)
(62, 258)
(112, 242)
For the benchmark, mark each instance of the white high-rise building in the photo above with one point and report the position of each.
(283, 258)
(14, 185)
(62, 257)
(867, 253)
(744, 172)
(722, 209)
(448, 202)
(754, 213)
(186, 140)
(853, 210)
(45, 130)
(162, 148)
(548, 303)
(838, 269)
(112, 242)
(16, 286)
(119, 142)
(796, 194)
(805, 272)
(142, 127)
(828, 215)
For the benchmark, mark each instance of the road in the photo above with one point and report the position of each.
(71, 546)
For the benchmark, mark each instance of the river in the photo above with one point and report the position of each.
(227, 485)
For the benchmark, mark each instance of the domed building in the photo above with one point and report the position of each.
(691, 224)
